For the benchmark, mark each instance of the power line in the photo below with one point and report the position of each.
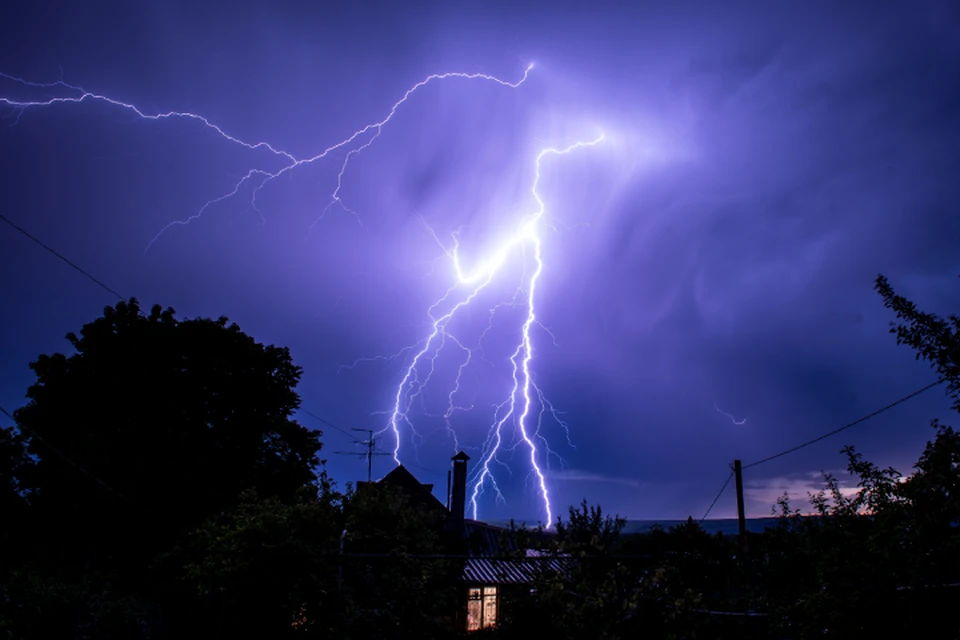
(430, 471)
(61, 256)
(846, 426)
(330, 424)
(114, 292)
(720, 493)
(358, 441)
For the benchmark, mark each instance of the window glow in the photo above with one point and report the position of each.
(481, 608)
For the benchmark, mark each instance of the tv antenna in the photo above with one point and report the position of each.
(370, 443)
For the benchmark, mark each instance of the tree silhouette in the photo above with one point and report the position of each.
(934, 339)
(159, 423)
(14, 467)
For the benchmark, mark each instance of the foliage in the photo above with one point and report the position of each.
(266, 568)
(588, 532)
(394, 583)
(15, 466)
(932, 338)
(860, 564)
(580, 597)
(84, 604)
(612, 585)
(360, 564)
(168, 493)
(149, 428)
(157, 424)
(868, 563)
(873, 562)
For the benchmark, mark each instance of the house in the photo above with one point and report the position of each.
(492, 580)
(418, 495)
(493, 567)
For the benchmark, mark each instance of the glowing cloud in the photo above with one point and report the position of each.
(524, 405)
(518, 404)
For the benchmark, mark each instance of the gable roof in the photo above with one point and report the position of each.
(419, 493)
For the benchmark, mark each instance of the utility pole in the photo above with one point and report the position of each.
(741, 520)
(370, 443)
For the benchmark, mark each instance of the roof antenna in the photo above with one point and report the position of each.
(370, 443)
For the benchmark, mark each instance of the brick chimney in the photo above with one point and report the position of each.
(458, 499)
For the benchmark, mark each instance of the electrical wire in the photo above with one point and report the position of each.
(60, 256)
(846, 426)
(430, 471)
(329, 424)
(114, 292)
(720, 493)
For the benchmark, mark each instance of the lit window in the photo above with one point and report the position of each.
(481, 608)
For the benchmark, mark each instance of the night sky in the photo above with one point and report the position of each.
(710, 261)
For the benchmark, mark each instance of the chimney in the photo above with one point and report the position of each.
(458, 499)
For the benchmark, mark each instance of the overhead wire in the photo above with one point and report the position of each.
(60, 256)
(846, 426)
(329, 424)
(115, 293)
(719, 493)
(821, 437)
(422, 468)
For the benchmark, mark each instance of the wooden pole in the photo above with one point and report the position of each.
(741, 519)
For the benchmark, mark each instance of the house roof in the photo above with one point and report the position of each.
(496, 571)
(418, 493)
(490, 547)
(484, 539)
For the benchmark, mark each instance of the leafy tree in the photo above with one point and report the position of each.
(396, 582)
(934, 339)
(570, 601)
(15, 465)
(360, 564)
(161, 423)
(87, 605)
(872, 562)
(933, 490)
(588, 532)
(660, 584)
(607, 590)
(836, 574)
(267, 568)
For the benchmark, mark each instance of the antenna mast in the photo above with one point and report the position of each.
(370, 443)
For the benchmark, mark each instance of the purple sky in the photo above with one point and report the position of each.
(761, 165)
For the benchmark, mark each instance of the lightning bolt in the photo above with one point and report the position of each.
(524, 405)
(523, 394)
(354, 143)
(732, 418)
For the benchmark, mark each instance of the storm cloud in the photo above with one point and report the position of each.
(761, 166)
